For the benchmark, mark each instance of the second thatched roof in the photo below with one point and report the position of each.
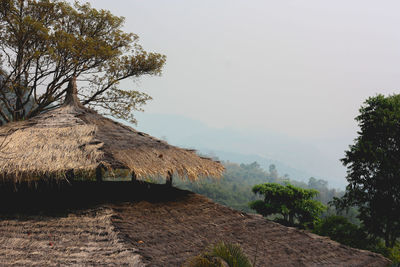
(75, 138)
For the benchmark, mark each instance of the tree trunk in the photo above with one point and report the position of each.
(291, 219)
(387, 238)
(19, 110)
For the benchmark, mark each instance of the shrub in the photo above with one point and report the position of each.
(338, 228)
(391, 253)
(221, 255)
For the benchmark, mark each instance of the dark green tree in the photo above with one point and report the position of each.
(43, 43)
(373, 168)
(338, 228)
(296, 205)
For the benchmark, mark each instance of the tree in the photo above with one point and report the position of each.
(294, 204)
(373, 168)
(326, 194)
(338, 228)
(43, 43)
(273, 172)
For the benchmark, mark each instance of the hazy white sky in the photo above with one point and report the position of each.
(299, 68)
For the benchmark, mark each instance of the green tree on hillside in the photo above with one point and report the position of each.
(43, 43)
(273, 172)
(373, 168)
(338, 228)
(294, 204)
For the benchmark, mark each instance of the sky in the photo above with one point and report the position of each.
(300, 69)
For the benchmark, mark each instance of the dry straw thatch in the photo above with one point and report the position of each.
(74, 140)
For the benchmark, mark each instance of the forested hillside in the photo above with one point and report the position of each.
(234, 187)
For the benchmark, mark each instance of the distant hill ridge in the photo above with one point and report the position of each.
(299, 158)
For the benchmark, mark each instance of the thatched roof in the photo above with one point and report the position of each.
(75, 138)
(151, 225)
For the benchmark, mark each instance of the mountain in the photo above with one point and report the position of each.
(299, 159)
(283, 169)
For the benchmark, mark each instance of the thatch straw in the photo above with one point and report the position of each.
(75, 138)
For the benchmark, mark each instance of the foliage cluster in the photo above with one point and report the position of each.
(220, 255)
(234, 189)
(43, 43)
(338, 228)
(374, 169)
(296, 205)
(392, 253)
